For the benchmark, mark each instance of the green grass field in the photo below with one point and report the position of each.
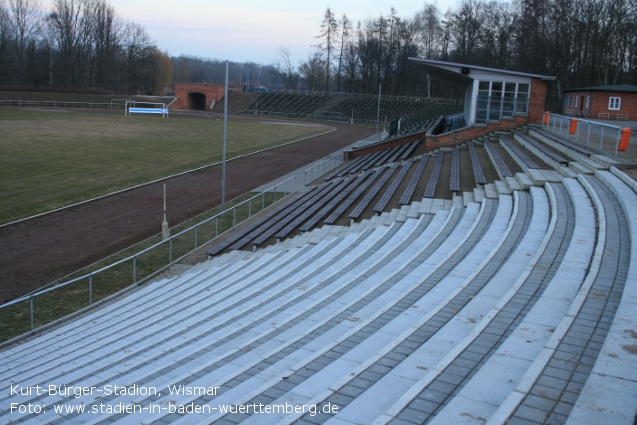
(49, 159)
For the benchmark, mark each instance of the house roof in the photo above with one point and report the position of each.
(455, 71)
(625, 88)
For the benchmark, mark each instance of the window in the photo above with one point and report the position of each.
(497, 99)
(614, 104)
(588, 102)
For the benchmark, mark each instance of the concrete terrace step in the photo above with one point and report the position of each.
(310, 384)
(513, 184)
(605, 161)
(548, 140)
(608, 395)
(464, 359)
(341, 260)
(593, 165)
(384, 245)
(502, 188)
(524, 180)
(580, 168)
(370, 357)
(286, 338)
(519, 357)
(490, 191)
(467, 198)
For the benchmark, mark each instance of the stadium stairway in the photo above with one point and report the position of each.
(512, 303)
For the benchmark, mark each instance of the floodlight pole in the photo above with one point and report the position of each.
(378, 113)
(225, 139)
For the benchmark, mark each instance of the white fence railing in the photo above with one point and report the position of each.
(58, 104)
(604, 137)
(323, 167)
(164, 247)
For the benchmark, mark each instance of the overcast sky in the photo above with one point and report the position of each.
(249, 30)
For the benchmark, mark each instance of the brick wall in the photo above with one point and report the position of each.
(450, 139)
(580, 109)
(600, 104)
(537, 100)
(211, 91)
(458, 137)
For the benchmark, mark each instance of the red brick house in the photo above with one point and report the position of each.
(606, 102)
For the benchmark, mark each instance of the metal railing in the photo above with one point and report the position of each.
(264, 112)
(57, 104)
(434, 100)
(165, 248)
(590, 133)
(323, 168)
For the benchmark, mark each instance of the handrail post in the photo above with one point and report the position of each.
(619, 137)
(90, 288)
(577, 134)
(31, 304)
(134, 269)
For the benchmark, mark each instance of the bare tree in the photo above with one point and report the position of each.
(429, 30)
(497, 34)
(107, 39)
(312, 71)
(136, 57)
(346, 31)
(4, 44)
(285, 68)
(465, 27)
(25, 27)
(351, 61)
(329, 34)
(64, 22)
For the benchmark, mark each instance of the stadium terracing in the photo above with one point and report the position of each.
(494, 281)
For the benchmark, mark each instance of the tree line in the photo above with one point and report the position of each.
(84, 44)
(78, 44)
(582, 42)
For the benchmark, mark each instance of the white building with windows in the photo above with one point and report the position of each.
(492, 95)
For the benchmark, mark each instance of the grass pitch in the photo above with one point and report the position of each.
(50, 159)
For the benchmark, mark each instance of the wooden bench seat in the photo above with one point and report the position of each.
(478, 174)
(435, 175)
(518, 152)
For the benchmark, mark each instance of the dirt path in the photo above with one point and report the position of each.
(38, 251)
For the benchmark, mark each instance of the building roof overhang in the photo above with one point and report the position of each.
(622, 88)
(461, 73)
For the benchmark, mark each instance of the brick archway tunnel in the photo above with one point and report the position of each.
(199, 96)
